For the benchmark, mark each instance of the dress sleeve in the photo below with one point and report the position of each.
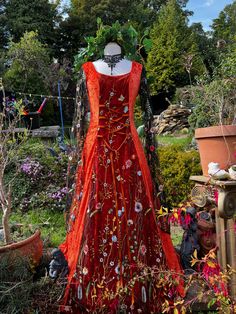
(78, 134)
(149, 136)
(151, 146)
(81, 115)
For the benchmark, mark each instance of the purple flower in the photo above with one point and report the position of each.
(31, 168)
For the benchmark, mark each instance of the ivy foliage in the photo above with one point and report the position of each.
(124, 35)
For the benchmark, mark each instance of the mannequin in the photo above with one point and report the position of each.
(120, 65)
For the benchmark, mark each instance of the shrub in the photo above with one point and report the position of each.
(177, 165)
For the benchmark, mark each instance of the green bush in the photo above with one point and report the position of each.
(177, 165)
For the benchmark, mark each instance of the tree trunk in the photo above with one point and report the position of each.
(5, 224)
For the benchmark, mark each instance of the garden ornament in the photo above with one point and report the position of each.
(190, 240)
(215, 172)
(58, 265)
(232, 172)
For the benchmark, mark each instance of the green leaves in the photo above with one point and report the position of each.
(125, 35)
(29, 64)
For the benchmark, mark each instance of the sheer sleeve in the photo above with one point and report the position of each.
(151, 146)
(81, 115)
(78, 134)
(150, 139)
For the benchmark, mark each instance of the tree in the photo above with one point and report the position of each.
(3, 32)
(83, 14)
(206, 47)
(29, 64)
(224, 27)
(34, 15)
(174, 52)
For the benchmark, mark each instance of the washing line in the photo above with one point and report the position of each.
(44, 96)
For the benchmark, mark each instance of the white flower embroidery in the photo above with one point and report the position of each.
(126, 109)
(121, 98)
(130, 222)
(138, 207)
(118, 269)
(118, 177)
(114, 238)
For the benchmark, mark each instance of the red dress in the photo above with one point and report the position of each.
(113, 237)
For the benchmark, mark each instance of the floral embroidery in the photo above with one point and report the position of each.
(121, 98)
(118, 177)
(98, 206)
(126, 109)
(114, 238)
(85, 271)
(119, 269)
(130, 222)
(128, 163)
(143, 249)
(138, 207)
(86, 249)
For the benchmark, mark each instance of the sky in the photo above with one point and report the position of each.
(206, 10)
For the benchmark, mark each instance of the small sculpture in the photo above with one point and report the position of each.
(190, 239)
(232, 172)
(216, 173)
(58, 265)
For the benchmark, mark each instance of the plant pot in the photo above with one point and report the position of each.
(217, 144)
(31, 247)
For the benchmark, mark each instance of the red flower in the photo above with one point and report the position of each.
(152, 148)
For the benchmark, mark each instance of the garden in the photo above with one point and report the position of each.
(191, 77)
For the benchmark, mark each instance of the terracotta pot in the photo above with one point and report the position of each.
(31, 247)
(217, 144)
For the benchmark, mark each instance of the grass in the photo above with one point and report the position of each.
(182, 139)
(50, 223)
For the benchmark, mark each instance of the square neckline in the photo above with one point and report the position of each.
(119, 75)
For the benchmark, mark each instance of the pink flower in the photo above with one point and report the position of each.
(128, 163)
(86, 249)
(98, 205)
(143, 249)
(152, 148)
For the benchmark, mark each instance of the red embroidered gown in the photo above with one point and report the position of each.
(113, 237)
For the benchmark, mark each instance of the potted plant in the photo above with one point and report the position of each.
(214, 121)
(10, 141)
